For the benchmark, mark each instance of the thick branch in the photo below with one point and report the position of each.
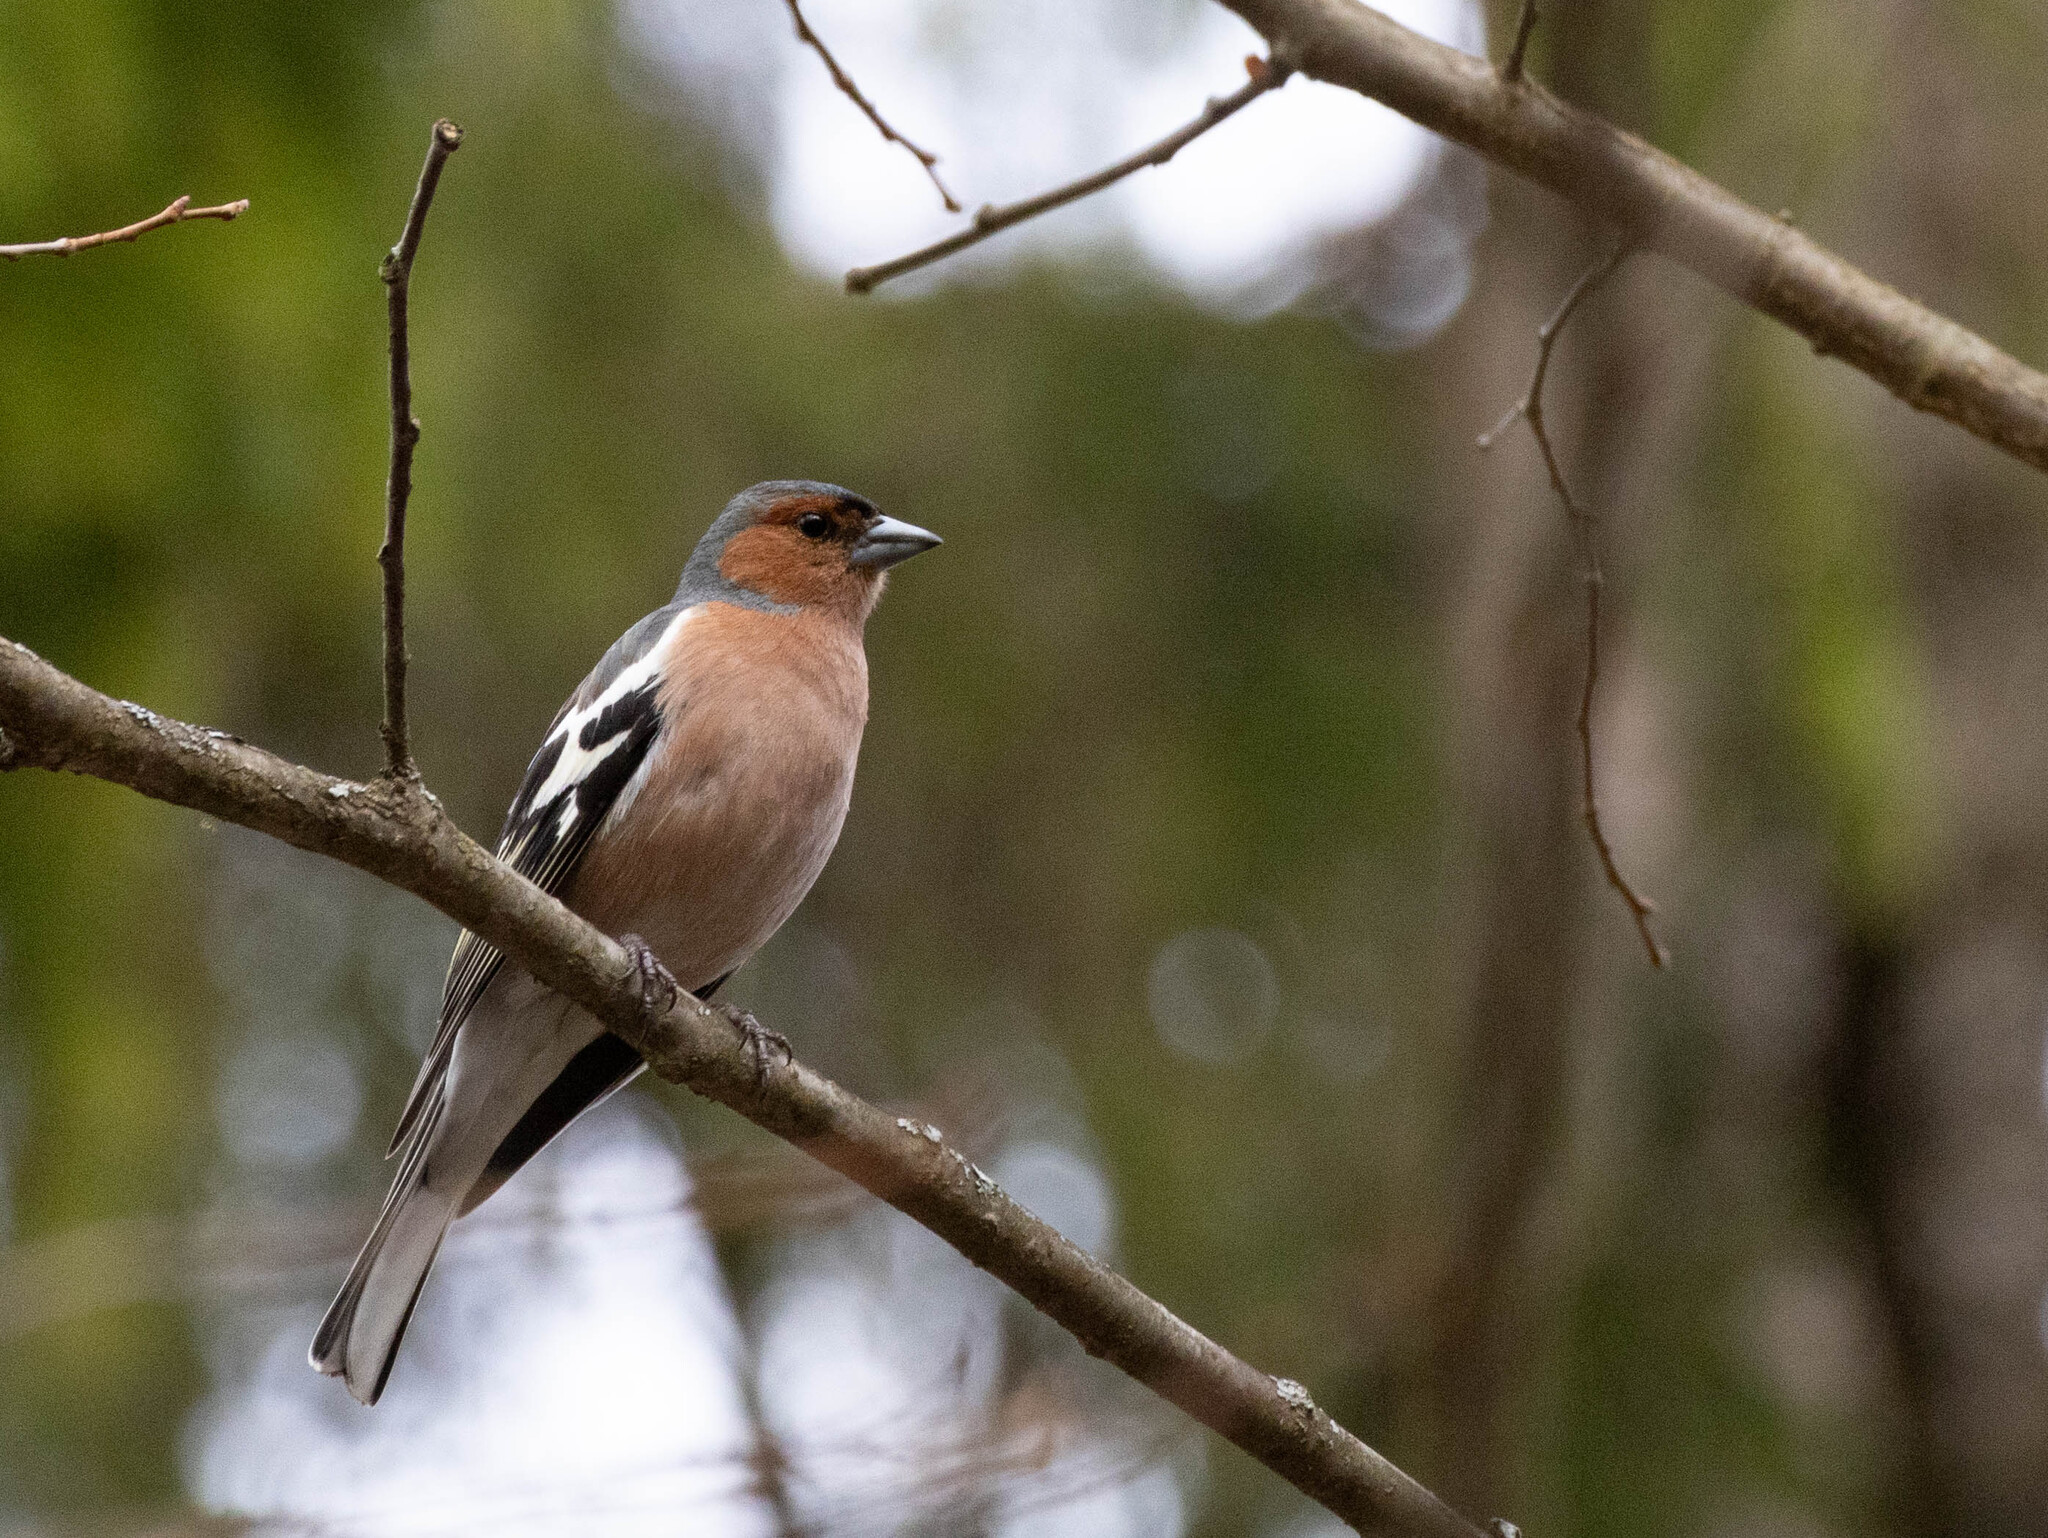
(177, 213)
(1928, 361)
(989, 219)
(401, 836)
(405, 436)
(852, 93)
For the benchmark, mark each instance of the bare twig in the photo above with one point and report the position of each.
(396, 271)
(853, 93)
(1585, 531)
(989, 219)
(177, 213)
(1925, 359)
(405, 839)
(1511, 68)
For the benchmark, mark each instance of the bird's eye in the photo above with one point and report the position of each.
(814, 525)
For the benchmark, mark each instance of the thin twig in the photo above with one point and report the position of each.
(396, 272)
(1585, 531)
(1511, 69)
(852, 93)
(177, 213)
(1266, 75)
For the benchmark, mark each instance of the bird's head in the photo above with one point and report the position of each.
(800, 544)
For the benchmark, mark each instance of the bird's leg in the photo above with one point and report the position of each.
(759, 1039)
(658, 985)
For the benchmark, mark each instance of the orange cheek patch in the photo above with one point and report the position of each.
(779, 563)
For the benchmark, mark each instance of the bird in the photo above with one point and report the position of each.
(684, 799)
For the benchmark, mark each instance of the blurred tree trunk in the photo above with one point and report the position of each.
(1519, 616)
(1935, 1096)
(1872, 1132)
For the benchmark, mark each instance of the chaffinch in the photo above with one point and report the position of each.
(686, 796)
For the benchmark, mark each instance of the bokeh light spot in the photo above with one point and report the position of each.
(1212, 994)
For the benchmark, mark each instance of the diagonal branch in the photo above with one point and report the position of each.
(396, 272)
(177, 213)
(1585, 531)
(52, 721)
(852, 93)
(989, 219)
(1925, 359)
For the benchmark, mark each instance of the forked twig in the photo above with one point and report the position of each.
(852, 93)
(1266, 75)
(1511, 68)
(1530, 409)
(396, 271)
(177, 213)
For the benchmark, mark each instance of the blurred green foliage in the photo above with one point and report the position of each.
(1180, 663)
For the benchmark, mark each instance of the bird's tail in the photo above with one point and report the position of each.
(358, 1339)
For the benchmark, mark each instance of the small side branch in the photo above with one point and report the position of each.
(396, 272)
(1585, 531)
(853, 93)
(1511, 69)
(177, 213)
(1266, 75)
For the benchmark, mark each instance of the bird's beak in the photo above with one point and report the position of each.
(889, 540)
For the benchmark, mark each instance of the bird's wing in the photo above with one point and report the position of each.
(585, 770)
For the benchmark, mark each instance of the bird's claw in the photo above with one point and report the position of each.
(659, 991)
(658, 986)
(760, 1041)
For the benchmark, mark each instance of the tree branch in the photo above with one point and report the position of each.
(989, 219)
(852, 93)
(1511, 67)
(1585, 531)
(396, 271)
(401, 836)
(1928, 361)
(177, 213)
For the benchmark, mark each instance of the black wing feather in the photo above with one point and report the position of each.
(545, 841)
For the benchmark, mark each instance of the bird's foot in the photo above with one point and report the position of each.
(760, 1041)
(658, 986)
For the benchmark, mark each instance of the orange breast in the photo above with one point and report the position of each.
(744, 792)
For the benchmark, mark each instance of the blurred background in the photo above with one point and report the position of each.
(1214, 871)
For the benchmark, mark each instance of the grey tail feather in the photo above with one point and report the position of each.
(394, 1262)
(426, 1093)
